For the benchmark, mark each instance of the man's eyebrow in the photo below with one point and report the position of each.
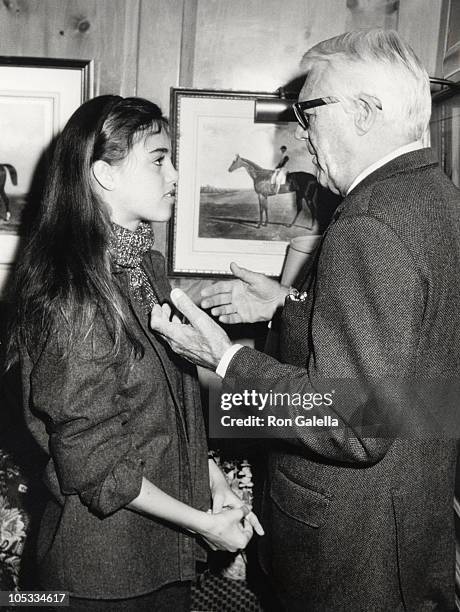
(160, 150)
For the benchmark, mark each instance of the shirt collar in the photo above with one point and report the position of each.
(412, 146)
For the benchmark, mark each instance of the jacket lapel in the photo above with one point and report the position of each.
(408, 161)
(161, 290)
(307, 275)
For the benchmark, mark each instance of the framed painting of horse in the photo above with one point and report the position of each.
(37, 96)
(245, 189)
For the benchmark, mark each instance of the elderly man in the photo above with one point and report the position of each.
(355, 522)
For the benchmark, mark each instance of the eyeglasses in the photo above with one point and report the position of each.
(303, 119)
(299, 107)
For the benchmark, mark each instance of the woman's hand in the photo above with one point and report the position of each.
(227, 530)
(230, 529)
(221, 493)
(224, 498)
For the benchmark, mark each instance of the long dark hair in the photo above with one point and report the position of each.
(63, 277)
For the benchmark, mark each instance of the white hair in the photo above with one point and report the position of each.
(381, 61)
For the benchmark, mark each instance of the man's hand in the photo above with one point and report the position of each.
(249, 298)
(202, 342)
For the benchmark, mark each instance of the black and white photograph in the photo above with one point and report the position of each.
(248, 204)
(229, 305)
(37, 96)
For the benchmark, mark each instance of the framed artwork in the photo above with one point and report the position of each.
(451, 61)
(37, 97)
(445, 131)
(231, 204)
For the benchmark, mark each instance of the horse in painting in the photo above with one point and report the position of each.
(6, 169)
(303, 184)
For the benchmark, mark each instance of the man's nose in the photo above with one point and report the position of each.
(300, 133)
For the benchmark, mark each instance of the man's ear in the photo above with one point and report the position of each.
(104, 175)
(366, 113)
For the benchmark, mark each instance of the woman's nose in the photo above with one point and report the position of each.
(173, 175)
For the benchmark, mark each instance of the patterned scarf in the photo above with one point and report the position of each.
(128, 249)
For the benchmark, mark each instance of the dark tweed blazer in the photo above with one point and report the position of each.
(105, 427)
(366, 523)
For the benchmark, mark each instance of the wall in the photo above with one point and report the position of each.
(255, 44)
(144, 47)
(106, 30)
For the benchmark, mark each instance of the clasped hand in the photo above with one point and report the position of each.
(230, 523)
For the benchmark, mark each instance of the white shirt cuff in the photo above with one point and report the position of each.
(221, 369)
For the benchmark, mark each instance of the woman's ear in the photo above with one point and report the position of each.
(366, 112)
(103, 173)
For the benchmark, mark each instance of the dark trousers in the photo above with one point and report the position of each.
(173, 597)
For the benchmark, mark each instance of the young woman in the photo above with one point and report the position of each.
(117, 412)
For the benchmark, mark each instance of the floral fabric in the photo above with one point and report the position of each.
(238, 474)
(14, 521)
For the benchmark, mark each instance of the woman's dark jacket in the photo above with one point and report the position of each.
(105, 426)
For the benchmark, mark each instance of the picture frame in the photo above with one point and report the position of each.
(216, 145)
(445, 130)
(451, 55)
(37, 97)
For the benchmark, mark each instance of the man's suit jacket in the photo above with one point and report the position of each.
(356, 522)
